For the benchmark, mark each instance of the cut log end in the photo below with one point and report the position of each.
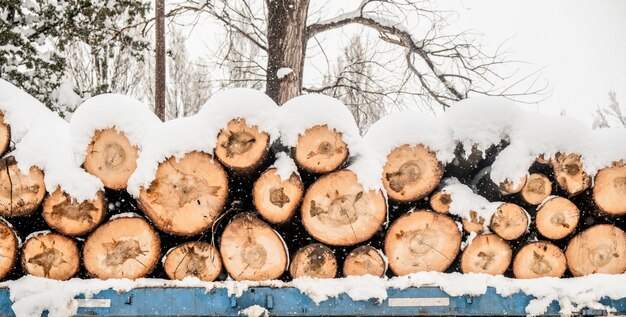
(8, 248)
(422, 241)
(508, 187)
(557, 218)
(599, 249)
(122, 248)
(241, 147)
(364, 260)
(609, 189)
(111, 157)
(336, 210)
(539, 259)
(66, 215)
(252, 250)
(5, 134)
(510, 221)
(277, 199)
(538, 187)
(186, 195)
(196, 259)
(487, 254)
(411, 173)
(569, 173)
(20, 194)
(320, 150)
(440, 202)
(50, 255)
(314, 260)
(474, 224)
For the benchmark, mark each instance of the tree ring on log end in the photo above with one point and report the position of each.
(408, 254)
(557, 218)
(314, 260)
(336, 210)
(320, 150)
(411, 173)
(122, 248)
(599, 249)
(197, 258)
(364, 260)
(277, 199)
(569, 173)
(609, 189)
(20, 194)
(252, 250)
(241, 147)
(8, 248)
(539, 259)
(538, 187)
(68, 216)
(111, 157)
(186, 195)
(488, 254)
(510, 221)
(50, 255)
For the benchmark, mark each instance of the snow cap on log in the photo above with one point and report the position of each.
(42, 139)
(468, 205)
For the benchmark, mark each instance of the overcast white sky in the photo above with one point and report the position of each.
(580, 44)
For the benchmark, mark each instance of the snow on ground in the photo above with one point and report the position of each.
(32, 295)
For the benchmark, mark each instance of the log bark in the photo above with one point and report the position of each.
(242, 148)
(411, 173)
(196, 259)
(474, 224)
(20, 194)
(186, 195)
(5, 134)
(440, 202)
(8, 248)
(252, 250)
(320, 150)
(599, 249)
(510, 221)
(315, 261)
(422, 241)
(609, 189)
(122, 248)
(111, 157)
(364, 260)
(50, 255)
(70, 217)
(569, 173)
(557, 218)
(539, 259)
(277, 199)
(336, 210)
(487, 254)
(537, 188)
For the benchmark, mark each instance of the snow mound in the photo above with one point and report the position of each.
(124, 113)
(285, 166)
(465, 200)
(42, 139)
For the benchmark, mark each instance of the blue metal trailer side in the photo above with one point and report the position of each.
(426, 301)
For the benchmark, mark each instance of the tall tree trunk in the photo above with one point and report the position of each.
(286, 37)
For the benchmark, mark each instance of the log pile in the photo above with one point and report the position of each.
(229, 213)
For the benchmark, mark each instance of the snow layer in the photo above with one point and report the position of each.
(255, 311)
(285, 166)
(32, 295)
(465, 200)
(42, 139)
(125, 114)
(282, 72)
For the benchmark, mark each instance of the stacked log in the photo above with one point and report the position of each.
(111, 157)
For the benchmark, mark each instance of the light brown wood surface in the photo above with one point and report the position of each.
(241, 147)
(539, 259)
(537, 188)
(508, 187)
(126, 247)
(8, 249)
(364, 260)
(111, 157)
(510, 221)
(411, 173)
(186, 195)
(569, 173)
(336, 210)
(68, 216)
(609, 189)
(277, 199)
(50, 255)
(20, 194)
(252, 250)
(557, 218)
(320, 150)
(422, 241)
(599, 249)
(314, 260)
(193, 259)
(487, 254)
(440, 202)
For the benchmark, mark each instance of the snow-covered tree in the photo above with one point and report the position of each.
(611, 115)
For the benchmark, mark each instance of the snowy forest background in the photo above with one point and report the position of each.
(391, 54)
